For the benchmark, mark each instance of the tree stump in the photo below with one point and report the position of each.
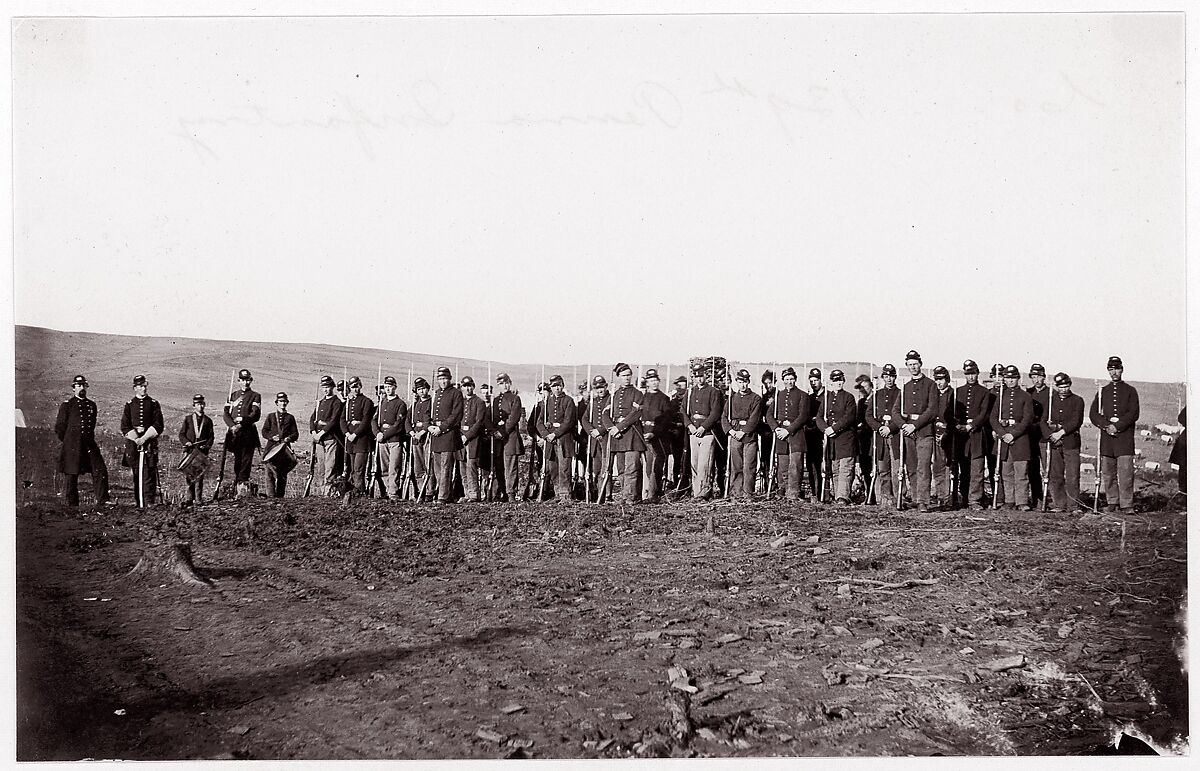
(171, 560)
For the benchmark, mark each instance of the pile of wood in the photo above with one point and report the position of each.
(714, 365)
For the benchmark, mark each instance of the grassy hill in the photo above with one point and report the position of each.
(47, 359)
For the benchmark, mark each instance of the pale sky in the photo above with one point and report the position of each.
(643, 188)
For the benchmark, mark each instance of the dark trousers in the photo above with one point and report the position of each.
(1034, 470)
(743, 467)
(276, 481)
(99, 478)
(145, 486)
(789, 472)
(558, 470)
(1064, 478)
(655, 467)
(357, 462)
(970, 480)
(196, 490)
(243, 461)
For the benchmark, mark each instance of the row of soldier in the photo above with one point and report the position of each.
(926, 441)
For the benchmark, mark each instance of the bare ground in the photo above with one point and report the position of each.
(385, 631)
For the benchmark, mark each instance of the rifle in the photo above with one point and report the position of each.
(1099, 439)
(996, 476)
(729, 436)
(224, 443)
(902, 472)
(774, 440)
(373, 475)
(1046, 468)
(312, 461)
(607, 456)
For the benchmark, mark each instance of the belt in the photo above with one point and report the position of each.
(787, 422)
(466, 426)
(556, 425)
(702, 415)
(914, 416)
(741, 422)
(1008, 422)
(647, 422)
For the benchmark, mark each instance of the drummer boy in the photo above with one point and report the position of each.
(196, 436)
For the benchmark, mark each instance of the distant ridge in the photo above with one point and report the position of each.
(47, 359)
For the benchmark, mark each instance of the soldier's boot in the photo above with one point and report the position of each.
(243, 490)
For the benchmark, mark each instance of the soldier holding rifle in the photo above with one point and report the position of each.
(657, 414)
(972, 407)
(356, 426)
(740, 421)
(387, 424)
(473, 429)
(420, 462)
(1012, 415)
(886, 438)
(623, 425)
(445, 424)
(943, 439)
(590, 415)
(325, 427)
(1037, 440)
(505, 422)
(241, 414)
(835, 420)
(914, 413)
(556, 430)
(788, 417)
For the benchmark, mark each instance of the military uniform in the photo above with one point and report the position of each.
(556, 427)
(812, 435)
(326, 421)
(916, 406)
(590, 414)
(356, 427)
(766, 437)
(1116, 405)
(473, 428)
(1012, 414)
(1179, 452)
(142, 418)
(864, 437)
(678, 436)
(197, 436)
(447, 415)
(943, 439)
(417, 427)
(886, 452)
(505, 421)
(241, 413)
(282, 425)
(1063, 413)
(76, 429)
(657, 419)
(743, 414)
(836, 415)
(972, 411)
(387, 424)
(788, 416)
(702, 412)
(626, 443)
(1037, 441)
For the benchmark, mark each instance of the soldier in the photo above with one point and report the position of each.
(677, 434)
(1012, 415)
(626, 445)
(279, 428)
(387, 424)
(532, 417)
(657, 415)
(913, 411)
(886, 438)
(444, 426)
(790, 413)
(197, 437)
(556, 429)
(417, 427)
(325, 426)
(1060, 426)
(590, 416)
(1115, 411)
(993, 384)
(356, 426)
(812, 434)
(1037, 441)
(740, 419)
(504, 421)
(241, 413)
(474, 427)
(943, 439)
(1179, 452)
(864, 436)
(76, 429)
(835, 420)
(972, 408)
(702, 410)
(766, 437)
(141, 424)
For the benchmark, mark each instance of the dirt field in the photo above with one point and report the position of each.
(546, 631)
